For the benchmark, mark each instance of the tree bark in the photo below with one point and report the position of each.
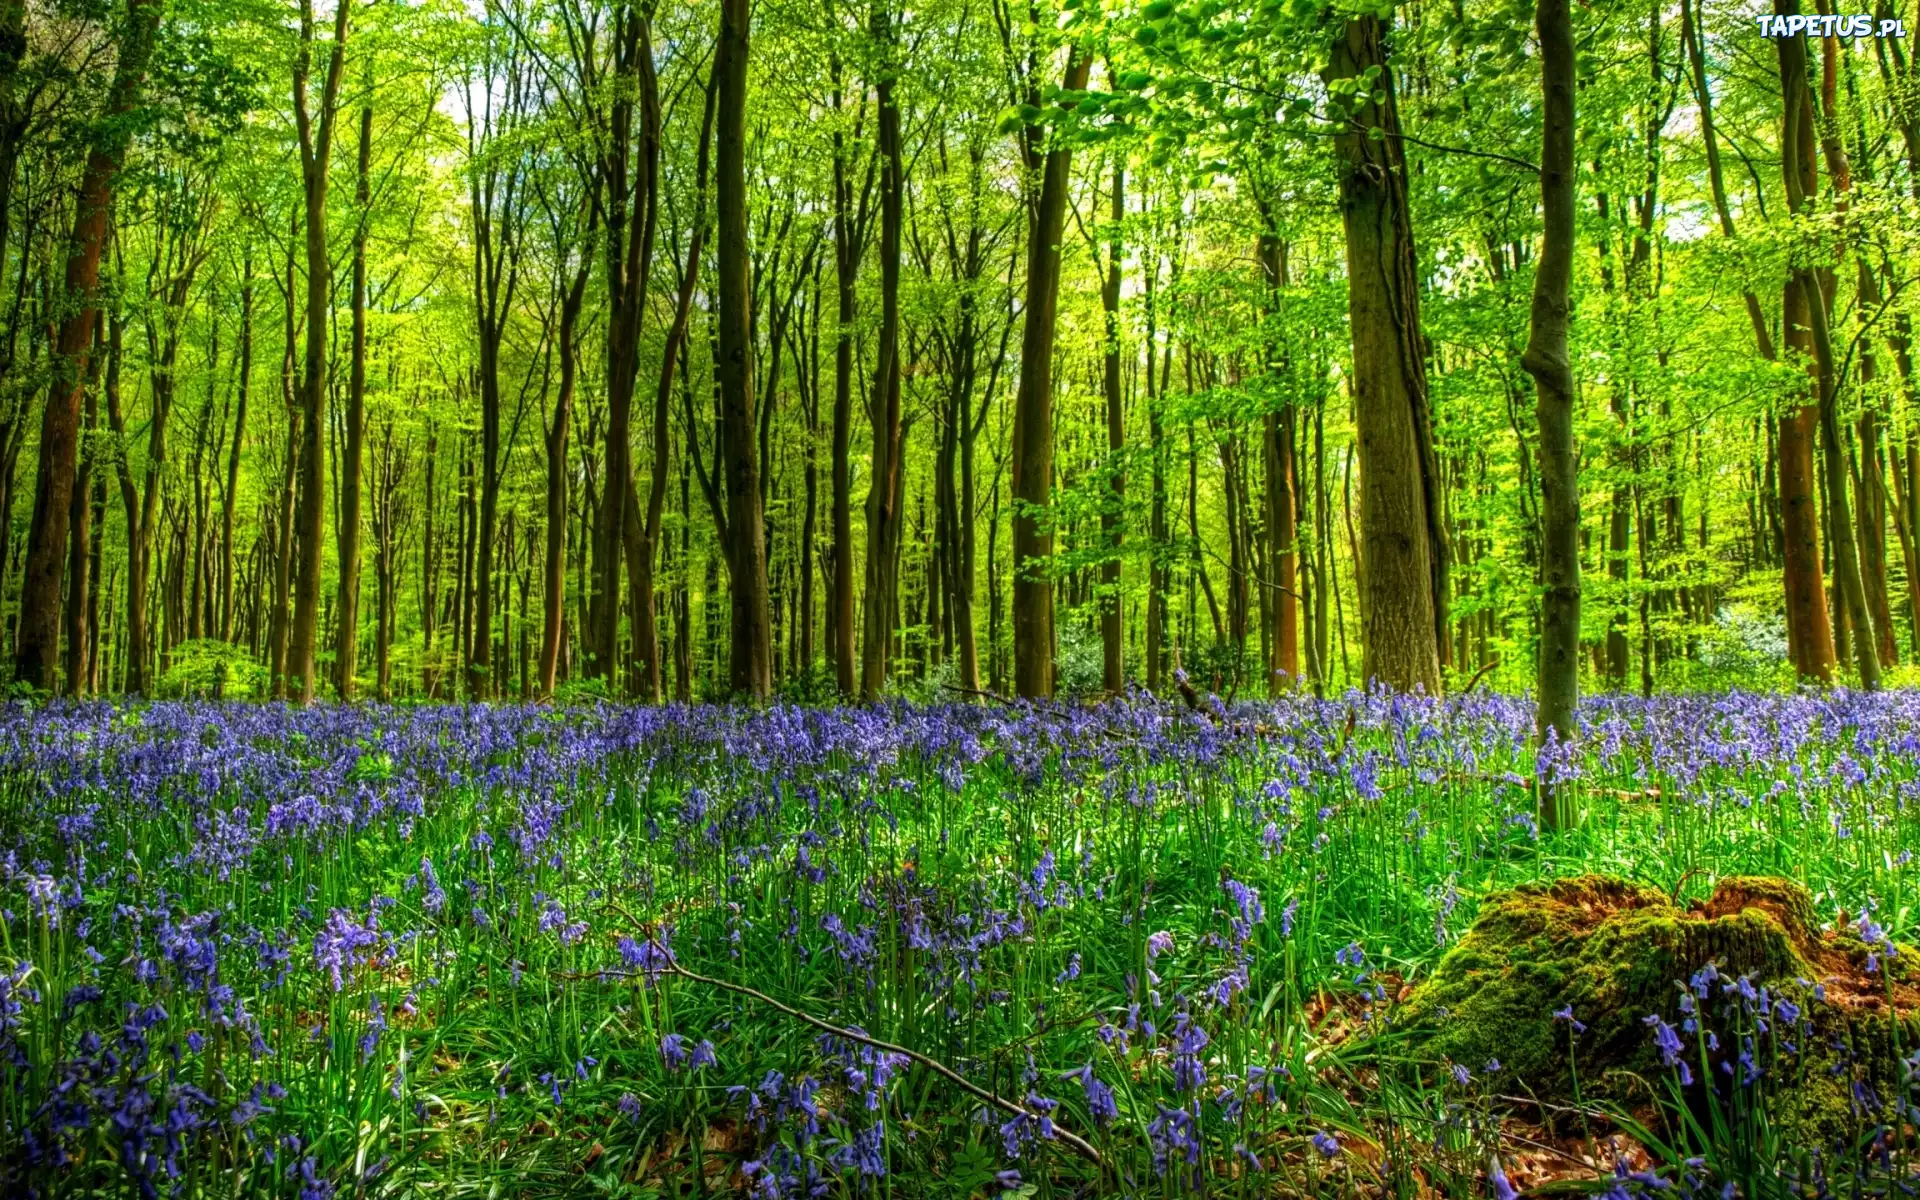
(1032, 449)
(1404, 585)
(750, 668)
(37, 644)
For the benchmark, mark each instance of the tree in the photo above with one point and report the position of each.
(316, 156)
(37, 646)
(1547, 360)
(347, 606)
(1403, 551)
(886, 485)
(751, 637)
(1049, 157)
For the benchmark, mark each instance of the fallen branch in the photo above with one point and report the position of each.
(996, 697)
(1077, 1144)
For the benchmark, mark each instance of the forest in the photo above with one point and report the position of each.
(978, 347)
(959, 599)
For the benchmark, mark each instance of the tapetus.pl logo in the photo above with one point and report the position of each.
(1856, 25)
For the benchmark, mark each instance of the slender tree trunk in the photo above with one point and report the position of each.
(1282, 516)
(1032, 450)
(316, 154)
(347, 607)
(1404, 585)
(646, 632)
(1113, 676)
(81, 534)
(37, 641)
(885, 482)
(1547, 359)
(849, 244)
(554, 567)
(1797, 163)
(751, 663)
(229, 499)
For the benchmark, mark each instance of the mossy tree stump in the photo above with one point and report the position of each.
(1612, 952)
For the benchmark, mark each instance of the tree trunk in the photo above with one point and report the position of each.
(1282, 515)
(751, 663)
(229, 499)
(347, 607)
(849, 244)
(885, 482)
(1546, 359)
(1798, 168)
(81, 534)
(1404, 584)
(1113, 677)
(1032, 450)
(37, 643)
(316, 153)
(646, 625)
(554, 567)
(632, 196)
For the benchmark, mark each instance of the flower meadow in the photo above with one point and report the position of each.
(906, 951)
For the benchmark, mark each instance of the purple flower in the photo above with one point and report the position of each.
(673, 1049)
(1497, 1186)
(1327, 1144)
(1100, 1101)
(1664, 1037)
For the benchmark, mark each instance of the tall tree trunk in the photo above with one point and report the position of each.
(646, 624)
(1032, 450)
(430, 566)
(1113, 677)
(1282, 516)
(554, 567)
(1158, 531)
(81, 534)
(229, 499)
(37, 642)
(1404, 584)
(1546, 359)
(849, 245)
(280, 629)
(1797, 162)
(885, 482)
(346, 641)
(750, 669)
(629, 173)
(316, 155)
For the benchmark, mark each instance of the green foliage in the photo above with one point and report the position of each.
(207, 668)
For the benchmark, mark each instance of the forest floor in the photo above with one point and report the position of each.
(1299, 947)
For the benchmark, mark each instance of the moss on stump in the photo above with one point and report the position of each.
(1613, 952)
